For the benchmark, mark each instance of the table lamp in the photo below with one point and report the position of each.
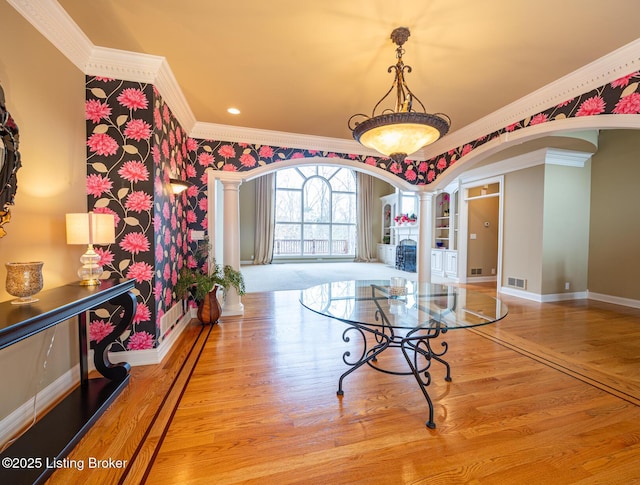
(90, 228)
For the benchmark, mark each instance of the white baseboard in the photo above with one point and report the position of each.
(617, 300)
(45, 398)
(527, 295)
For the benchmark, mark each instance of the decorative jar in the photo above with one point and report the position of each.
(24, 280)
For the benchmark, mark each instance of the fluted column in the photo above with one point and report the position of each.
(425, 237)
(231, 246)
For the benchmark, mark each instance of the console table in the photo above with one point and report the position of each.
(54, 435)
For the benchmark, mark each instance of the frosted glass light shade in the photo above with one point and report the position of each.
(90, 228)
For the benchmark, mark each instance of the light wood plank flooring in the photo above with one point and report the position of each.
(550, 394)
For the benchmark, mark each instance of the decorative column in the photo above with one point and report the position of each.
(425, 237)
(231, 246)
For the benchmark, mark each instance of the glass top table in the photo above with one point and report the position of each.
(401, 314)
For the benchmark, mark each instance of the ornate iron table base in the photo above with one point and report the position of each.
(416, 348)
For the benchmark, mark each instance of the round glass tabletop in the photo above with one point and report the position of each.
(403, 304)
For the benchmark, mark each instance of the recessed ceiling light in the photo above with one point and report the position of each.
(233, 111)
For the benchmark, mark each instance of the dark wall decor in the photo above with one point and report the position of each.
(9, 162)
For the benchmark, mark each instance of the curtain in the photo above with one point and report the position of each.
(265, 219)
(364, 246)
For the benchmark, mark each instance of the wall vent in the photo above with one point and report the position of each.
(170, 318)
(476, 271)
(517, 283)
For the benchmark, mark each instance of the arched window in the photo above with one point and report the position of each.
(315, 212)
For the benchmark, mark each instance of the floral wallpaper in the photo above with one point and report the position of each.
(134, 146)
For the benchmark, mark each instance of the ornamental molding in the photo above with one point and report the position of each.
(52, 21)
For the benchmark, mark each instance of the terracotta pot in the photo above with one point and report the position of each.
(209, 309)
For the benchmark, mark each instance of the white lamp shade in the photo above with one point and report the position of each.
(90, 228)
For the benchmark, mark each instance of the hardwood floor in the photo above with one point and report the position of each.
(550, 394)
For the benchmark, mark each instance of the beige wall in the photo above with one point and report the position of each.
(565, 238)
(523, 223)
(45, 95)
(614, 264)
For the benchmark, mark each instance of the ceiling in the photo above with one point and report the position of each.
(306, 66)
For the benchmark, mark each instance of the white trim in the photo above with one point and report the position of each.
(23, 415)
(616, 300)
(551, 297)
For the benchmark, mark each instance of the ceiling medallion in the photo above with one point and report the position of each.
(403, 130)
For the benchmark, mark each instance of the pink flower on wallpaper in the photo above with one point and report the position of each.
(99, 329)
(192, 191)
(441, 164)
(204, 224)
(203, 203)
(140, 272)
(134, 242)
(106, 210)
(104, 79)
(191, 171)
(167, 236)
(155, 152)
(142, 313)
(205, 159)
(592, 106)
(166, 272)
(538, 119)
(174, 221)
(138, 201)
(168, 297)
(102, 144)
(623, 81)
(410, 175)
(106, 256)
(247, 160)
(138, 130)
(134, 171)
(511, 127)
(157, 119)
(227, 167)
(422, 168)
(370, 161)
(159, 252)
(140, 341)
(628, 105)
(296, 155)
(227, 151)
(431, 175)
(191, 262)
(192, 144)
(95, 110)
(172, 139)
(165, 148)
(166, 115)
(166, 210)
(466, 149)
(265, 152)
(395, 168)
(97, 184)
(133, 99)
(191, 217)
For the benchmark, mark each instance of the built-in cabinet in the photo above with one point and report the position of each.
(394, 205)
(444, 254)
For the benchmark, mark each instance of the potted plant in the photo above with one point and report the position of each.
(203, 281)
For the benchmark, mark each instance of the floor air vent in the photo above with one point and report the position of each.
(517, 283)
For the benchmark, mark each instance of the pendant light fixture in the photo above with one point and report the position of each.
(402, 130)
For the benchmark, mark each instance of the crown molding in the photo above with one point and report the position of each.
(55, 24)
(610, 67)
(50, 19)
(213, 131)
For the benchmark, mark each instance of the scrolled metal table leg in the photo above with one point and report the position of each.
(120, 370)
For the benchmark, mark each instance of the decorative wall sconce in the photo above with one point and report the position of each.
(178, 186)
(90, 228)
